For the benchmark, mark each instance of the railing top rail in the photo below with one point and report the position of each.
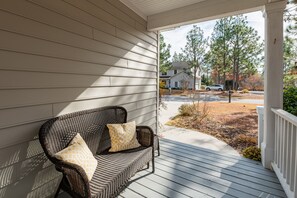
(286, 115)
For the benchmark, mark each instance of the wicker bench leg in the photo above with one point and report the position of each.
(148, 165)
(153, 165)
(157, 144)
(58, 190)
(158, 147)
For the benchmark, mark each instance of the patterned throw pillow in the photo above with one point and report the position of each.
(123, 136)
(78, 152)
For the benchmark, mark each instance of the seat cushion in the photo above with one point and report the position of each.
(123, 136)
(114, 170)
(78, 152)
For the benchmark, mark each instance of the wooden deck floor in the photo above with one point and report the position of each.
(187, 171)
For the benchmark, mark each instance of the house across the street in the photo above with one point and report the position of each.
(180, 77)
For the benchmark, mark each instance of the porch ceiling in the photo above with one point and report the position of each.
(149, 7)
(167, 14)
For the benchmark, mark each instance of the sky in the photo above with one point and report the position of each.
(177, 37)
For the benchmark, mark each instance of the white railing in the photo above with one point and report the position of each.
(260, 111)
(285, 155)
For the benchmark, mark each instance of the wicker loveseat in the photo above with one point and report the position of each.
(114, 169)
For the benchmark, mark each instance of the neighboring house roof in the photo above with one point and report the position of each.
(186, 76)
(164, 77)
(179, 65)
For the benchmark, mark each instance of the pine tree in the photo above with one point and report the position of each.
(165, 63)
(219, 54)
(195, 50)
(235, 50)
(177, 57)
(290, 54)
(247, 51)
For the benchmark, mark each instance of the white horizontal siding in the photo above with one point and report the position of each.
(21, 115)
(104, 37)
(20, 79)
(62, 108)
(24, 97)
(38, 63)
(20, 133)
(57, 35)
(59, 57)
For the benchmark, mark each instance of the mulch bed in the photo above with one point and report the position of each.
(234, 123)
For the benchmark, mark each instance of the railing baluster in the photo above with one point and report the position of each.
(295, 160)
(285, 161)
(281, 146)
(276, 138)
(289, 154)
(293, 157)
(278, 141)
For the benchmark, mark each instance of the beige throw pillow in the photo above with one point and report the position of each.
(78, 152)
(123, 136)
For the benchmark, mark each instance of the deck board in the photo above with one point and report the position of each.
(222, 178)
(242, 163)
(188, 171)
(129, 193)
(219, 165)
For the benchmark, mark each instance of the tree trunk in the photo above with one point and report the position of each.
(195, 73)
(224, 56)
(224, 69)
(237, 73)
(234, 73)
(219, 77)
(237, 80)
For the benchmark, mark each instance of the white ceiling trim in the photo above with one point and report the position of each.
(150, 7)
(130, 5)
(203, 11)
(167, 14)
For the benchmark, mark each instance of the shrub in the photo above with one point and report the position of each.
(290, 100)
(247, 140)
(254, 82)
(202, 113)
(245, 91)
(197, 111)
(162, 84)
(202, 87)
(290, 80)
(186, 110)
(253, 153)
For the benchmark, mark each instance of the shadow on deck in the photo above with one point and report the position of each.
(184, 170)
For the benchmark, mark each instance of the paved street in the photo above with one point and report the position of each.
(208, 98)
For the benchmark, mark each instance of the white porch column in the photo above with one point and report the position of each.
(273, 85)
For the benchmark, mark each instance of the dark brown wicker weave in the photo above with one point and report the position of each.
(113, 169)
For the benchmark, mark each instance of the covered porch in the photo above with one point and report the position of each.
(62, 56)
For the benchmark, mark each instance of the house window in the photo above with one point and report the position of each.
(175, 71)
(176, 84)
(164, 73)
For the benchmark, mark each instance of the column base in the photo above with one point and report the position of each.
(267, 156)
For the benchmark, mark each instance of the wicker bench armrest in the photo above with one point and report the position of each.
(76, 178)
(145, 136)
